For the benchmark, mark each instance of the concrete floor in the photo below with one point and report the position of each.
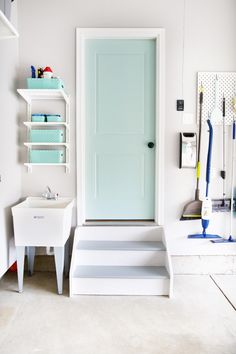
(198, 320)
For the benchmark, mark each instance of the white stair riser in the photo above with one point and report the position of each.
(120, 233)
(120, 258)
(110, 286)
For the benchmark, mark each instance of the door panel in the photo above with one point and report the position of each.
(120, 121)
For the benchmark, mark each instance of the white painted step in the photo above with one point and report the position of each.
(120, 280)
(124, 253)
(121, 245)
(120, 260)
(120, 233)
(121, 272)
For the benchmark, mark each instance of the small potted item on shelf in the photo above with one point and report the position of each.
(47, 73)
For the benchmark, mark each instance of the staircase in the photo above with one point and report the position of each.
(120, 260)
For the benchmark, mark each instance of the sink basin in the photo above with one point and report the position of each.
(41, 222)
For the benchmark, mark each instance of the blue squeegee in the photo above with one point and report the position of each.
(206, 204)
(231, 239)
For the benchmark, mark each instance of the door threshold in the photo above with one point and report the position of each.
(120, 223)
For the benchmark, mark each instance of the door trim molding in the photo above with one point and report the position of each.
(122, 33)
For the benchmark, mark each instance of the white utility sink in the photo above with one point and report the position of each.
(42, 222)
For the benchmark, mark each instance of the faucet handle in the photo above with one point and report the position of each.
(48, 194)
(48, 189)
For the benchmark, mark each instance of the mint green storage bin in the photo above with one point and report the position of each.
(38, 117)
(53, 118)
(44, 83)
(47, 136)
(47, 156)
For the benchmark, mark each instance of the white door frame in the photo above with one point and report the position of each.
(120, 33)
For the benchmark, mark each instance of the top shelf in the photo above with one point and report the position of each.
(43, 94)
(7, 30)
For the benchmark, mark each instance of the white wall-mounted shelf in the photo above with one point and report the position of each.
(7, 30)
(46, 124)
(46, 144)
(43, 94)
(31, 165)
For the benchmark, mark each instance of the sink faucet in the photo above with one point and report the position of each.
(48, 194)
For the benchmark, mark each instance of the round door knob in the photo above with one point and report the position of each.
(151, 145)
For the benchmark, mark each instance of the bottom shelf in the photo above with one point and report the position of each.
(30, 165)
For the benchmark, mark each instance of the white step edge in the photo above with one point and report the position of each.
(124, 272)
(121, 245)
(118, 286)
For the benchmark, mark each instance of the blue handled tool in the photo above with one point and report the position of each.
(206, 204)
(230, 238)
(33, 72)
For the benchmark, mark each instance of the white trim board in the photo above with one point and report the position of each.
(116, 33)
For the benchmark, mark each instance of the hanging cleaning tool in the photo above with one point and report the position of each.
(206, 204)
(216, 114)
(192, 210)
(223, 172)
(222, 205)
(230, 238)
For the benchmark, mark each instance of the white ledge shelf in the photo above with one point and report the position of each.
(7, 30)
(46, 144)
(45, 124)
(43, 94)
(31, 165)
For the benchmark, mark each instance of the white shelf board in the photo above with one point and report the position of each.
(46, 144)
(30, 165)
(7, 30)
(43, 94)
(45, 124)
(46, 164)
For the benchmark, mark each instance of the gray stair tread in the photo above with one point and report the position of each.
(121, 245)
(136, 272)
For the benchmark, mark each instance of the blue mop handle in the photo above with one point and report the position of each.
(209, 154)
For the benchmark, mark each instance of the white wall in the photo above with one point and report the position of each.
(202, 40)
(10, 172)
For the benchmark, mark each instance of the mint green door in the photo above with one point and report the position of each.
(120, 109)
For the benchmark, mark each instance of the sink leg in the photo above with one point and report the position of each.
(67, 256)
(30, 256)
(59, 262)
(20, 255)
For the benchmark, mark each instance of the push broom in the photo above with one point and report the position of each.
(206, 204)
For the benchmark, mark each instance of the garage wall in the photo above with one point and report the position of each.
(10, 171)
(200, 36)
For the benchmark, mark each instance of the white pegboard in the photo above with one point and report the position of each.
(227, 87)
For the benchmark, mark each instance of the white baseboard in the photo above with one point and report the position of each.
(181, 264)
(204, 264)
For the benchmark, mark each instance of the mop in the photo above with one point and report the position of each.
(231, 239)
(206, 204)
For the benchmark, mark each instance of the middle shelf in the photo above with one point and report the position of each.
(46, 144)
(46, 124)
